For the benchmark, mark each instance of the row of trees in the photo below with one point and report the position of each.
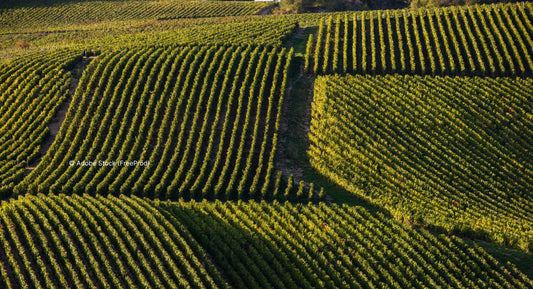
(303, 6)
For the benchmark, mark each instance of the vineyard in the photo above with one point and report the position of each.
(454, 153)
(495, 40)
(88, 12)
(271, 32)
(206, 144)
(31, 92)
(258, 32)
(205, 121)
(118, 242)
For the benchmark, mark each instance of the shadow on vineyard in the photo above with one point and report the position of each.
(520, 259)
(242, 255)
(295, 128)
(295, 144)
(296, 122)
(275, 243)
(294, 160)
(208, 146)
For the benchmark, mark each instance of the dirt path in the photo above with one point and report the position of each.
(296, 115)
(295, 122)
(58, 119)
(295, 126)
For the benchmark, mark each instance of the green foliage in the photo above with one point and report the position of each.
(450, 153)
(84, 241)
(135, 34)
(90, 12)
(301, 6)
(31, 92)
(292, 6)
(200, 101)
(204, 119)
(490, 40)
(439, 3)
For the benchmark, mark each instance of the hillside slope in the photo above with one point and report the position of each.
(488, 40)
(454, 153)
(201, 120)
(121, 241)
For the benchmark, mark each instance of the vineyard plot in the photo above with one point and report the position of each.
(142, 33)
(271, 32)
(95, 242)
(31, 92)
(202, 120)
(90, 12)
(490, 40)
(85, 242)
(453, 153)
(164, 171)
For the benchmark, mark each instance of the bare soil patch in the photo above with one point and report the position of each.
(58, 119)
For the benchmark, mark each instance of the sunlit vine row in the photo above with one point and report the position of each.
(269, 32)
(88, 12)
(203, 121)
(75, 242)
(259, 32)
(490, 40)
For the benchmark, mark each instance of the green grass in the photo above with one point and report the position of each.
(298, 41)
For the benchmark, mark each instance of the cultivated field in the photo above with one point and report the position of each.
(212, 144)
